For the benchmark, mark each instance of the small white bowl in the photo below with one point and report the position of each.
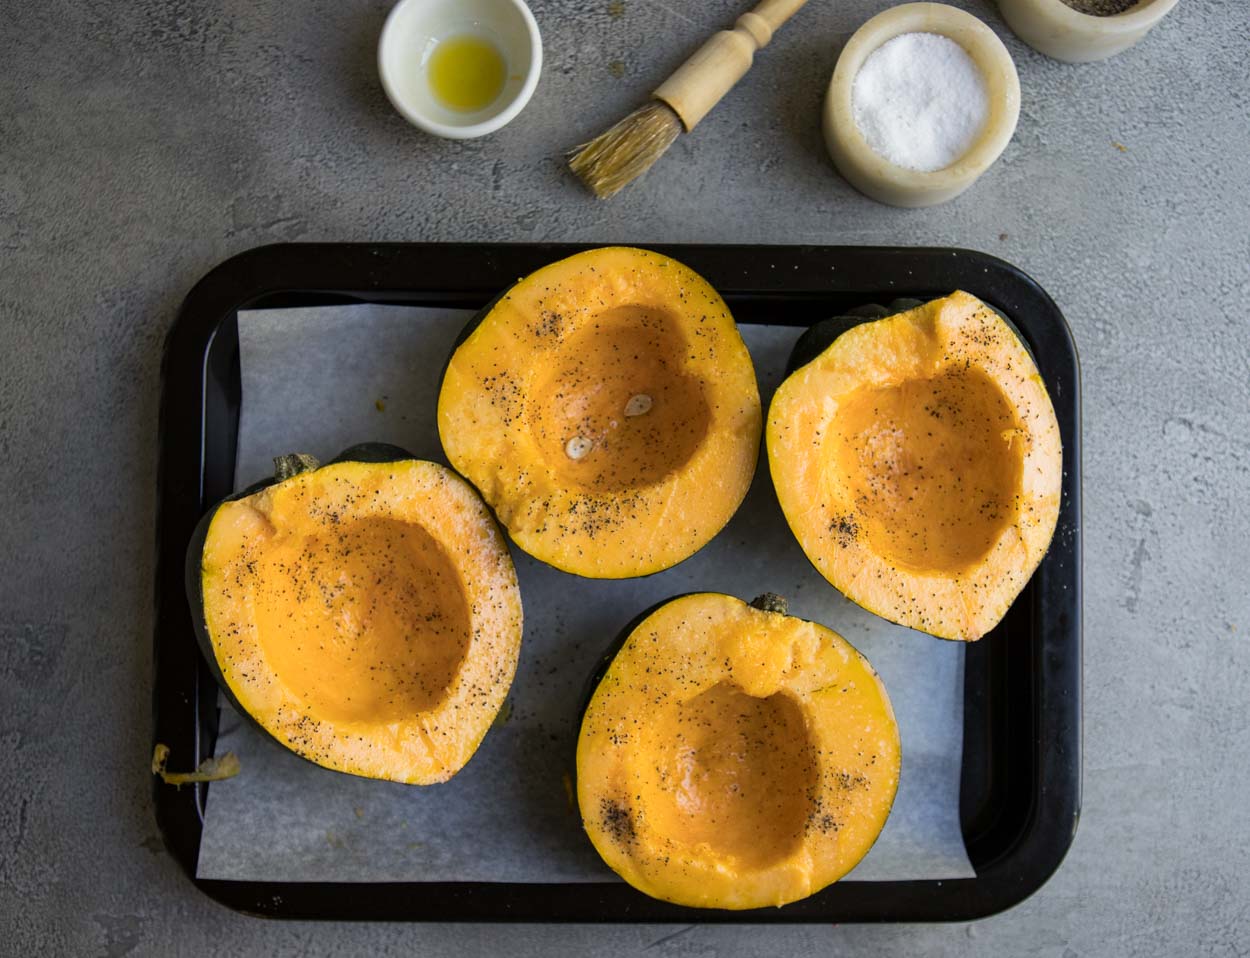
(415, 27)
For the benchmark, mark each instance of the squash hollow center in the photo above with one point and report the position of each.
(614, 410)
(933, 466)
(364, 620)
(733, 771)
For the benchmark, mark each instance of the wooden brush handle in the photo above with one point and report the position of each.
(701, 81)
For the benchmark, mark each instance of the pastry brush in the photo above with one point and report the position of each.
(625, 151)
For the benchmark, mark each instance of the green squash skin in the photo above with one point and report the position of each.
(376, 452)
(600, 670)
(820, 336)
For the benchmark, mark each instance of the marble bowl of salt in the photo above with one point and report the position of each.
(923, 100)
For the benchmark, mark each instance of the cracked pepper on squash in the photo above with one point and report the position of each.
(366, 613)
(607, 410)
(733, 756)
(918, 462)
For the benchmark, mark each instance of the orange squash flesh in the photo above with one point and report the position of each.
(607, 410)
(367, 615)
(735, 758)
(918, 462)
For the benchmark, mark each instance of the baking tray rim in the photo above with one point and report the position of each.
(263, 272)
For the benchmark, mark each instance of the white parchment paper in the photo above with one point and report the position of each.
(318, 380)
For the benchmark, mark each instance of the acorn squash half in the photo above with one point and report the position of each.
(364, 613)
(607, 410)
(917, 460)
(732, 756)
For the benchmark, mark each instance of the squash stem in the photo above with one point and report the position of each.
(771, 602)
(292, 464)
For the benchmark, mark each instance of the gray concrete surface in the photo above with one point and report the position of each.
(142, 142)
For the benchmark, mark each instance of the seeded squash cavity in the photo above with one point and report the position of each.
(607, 410)
(917, 460)
(732, 756)
(364, 613)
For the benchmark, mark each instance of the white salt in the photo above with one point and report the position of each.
(920, 101)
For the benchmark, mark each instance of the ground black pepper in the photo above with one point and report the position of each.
(617, 821)
(1101, 8)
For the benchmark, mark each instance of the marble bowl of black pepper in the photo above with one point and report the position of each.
(1080, 31)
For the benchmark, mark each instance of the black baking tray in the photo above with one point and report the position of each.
(1020, 792)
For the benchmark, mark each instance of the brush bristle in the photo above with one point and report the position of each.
(618, 156)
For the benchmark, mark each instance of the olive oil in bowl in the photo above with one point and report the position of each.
(466, 73)
(459, 68)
